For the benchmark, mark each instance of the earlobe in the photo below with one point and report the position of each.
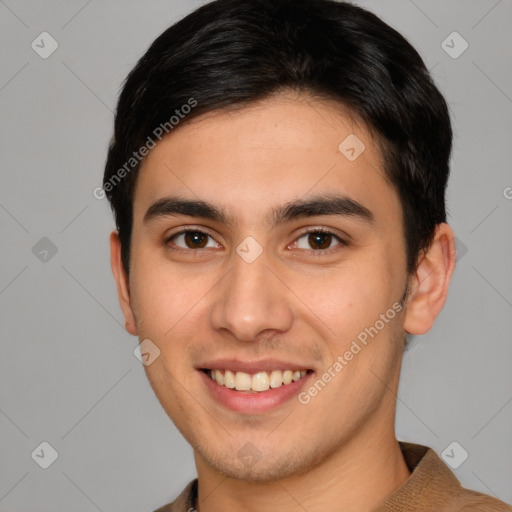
(121, 279)
(429, 284)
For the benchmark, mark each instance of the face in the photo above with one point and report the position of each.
(285, 256)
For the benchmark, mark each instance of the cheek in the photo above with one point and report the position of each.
(163, 296)
(348, 298)
(359, 305)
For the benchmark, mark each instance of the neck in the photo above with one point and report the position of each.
(356, 478)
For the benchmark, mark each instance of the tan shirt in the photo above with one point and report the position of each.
(431, 487)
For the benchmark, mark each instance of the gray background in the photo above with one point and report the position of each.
(67, 369)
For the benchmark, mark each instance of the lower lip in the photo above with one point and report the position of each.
(253, 403)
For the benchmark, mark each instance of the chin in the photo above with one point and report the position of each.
(263, 470)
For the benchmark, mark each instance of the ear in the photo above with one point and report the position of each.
(123, 292)
(430, 282)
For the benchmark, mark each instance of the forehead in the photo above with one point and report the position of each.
(280, 149)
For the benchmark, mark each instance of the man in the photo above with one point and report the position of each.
(277, 175)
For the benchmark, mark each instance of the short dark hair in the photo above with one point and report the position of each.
(233, 53)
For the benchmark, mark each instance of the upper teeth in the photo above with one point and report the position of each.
(260, 381)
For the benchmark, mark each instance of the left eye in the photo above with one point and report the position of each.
(192, 240)
(318, 240)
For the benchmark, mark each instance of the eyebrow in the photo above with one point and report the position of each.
(325, 204)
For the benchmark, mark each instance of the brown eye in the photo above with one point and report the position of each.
(318, 241)
(195, 239)
(191, 239)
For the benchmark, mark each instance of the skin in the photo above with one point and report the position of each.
(207, 303)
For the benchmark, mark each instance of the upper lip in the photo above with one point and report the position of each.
(266, 365)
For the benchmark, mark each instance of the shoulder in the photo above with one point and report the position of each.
(433, 486)
(472, 501)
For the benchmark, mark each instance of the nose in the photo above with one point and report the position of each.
(251, 300)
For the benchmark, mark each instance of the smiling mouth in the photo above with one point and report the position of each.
(255, 383)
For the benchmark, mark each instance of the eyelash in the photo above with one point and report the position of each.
(314, 252)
